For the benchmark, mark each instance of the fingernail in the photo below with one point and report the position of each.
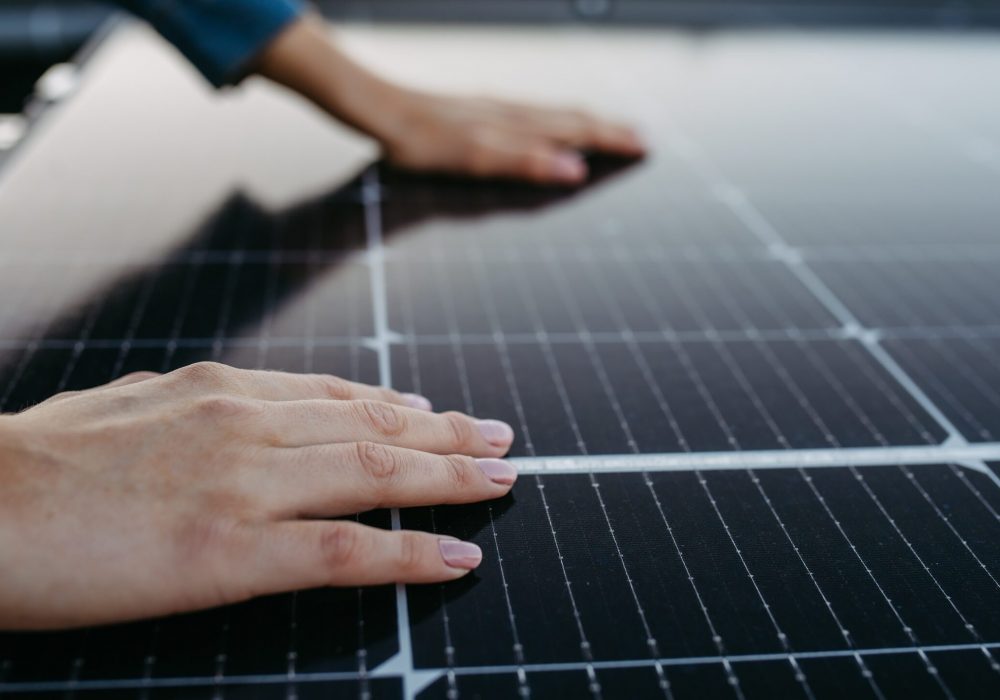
(499, 471)
(417, 401)
(460, 555)
(568, 166)
(496, 432)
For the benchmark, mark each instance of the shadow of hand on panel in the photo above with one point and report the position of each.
(473, 523)
(245, 265)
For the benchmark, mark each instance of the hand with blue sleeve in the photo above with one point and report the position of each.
(230, 39)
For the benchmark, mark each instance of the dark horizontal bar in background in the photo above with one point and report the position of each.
(44, 26)
(688, 12)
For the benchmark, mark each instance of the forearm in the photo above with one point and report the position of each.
(305, 59)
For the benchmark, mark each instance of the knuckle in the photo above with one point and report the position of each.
(61, 396)
(203, 373)
(380, 463)
(335, 387)
(340, 545)
(410, 552)
(459, 428)
(460, 471)
(224, 407)
(605, 134)
(383, 418)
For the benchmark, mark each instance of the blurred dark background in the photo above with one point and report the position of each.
(35, 34)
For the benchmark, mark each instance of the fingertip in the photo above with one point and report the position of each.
(627, 141)
(496, 433)
(498, 471)
(568, 167)
(463, 556)
(635, 142)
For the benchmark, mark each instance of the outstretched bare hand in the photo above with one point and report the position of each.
(159, 494)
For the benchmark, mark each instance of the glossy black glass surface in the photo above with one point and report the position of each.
(803, 262)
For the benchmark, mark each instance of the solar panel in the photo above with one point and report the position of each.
(753, 396)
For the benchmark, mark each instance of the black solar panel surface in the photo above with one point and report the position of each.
(723, 360)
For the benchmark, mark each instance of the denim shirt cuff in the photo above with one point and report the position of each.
(220, 37)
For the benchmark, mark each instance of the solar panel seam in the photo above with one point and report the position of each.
(799, 676)
(928, 662)
(666, 662)
(910, 295)
(568, 410)
(564, 401)
(560, 338)
(770, 237)
(807, 458)
(371, 199)
(979, 386)
(972, 366)
(734, 198)
(846, 635)
(945, 393)
(982, 388)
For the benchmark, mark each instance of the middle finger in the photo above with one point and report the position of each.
(331, 480)
(317, 422)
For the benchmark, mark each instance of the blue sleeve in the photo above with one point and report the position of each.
(220, 37)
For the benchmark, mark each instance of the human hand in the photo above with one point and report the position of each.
(159, 494)
(495, 138)
(422, 131)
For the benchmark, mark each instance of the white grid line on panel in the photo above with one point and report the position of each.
(667, 662)
(737, 200)
(968, 333)
(402, 662)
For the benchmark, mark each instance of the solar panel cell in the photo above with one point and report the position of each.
(661, 396)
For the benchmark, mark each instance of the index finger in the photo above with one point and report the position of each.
(284, 386)
(270, 385)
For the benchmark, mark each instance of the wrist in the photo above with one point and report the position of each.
(365, 101)
(307, 60)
